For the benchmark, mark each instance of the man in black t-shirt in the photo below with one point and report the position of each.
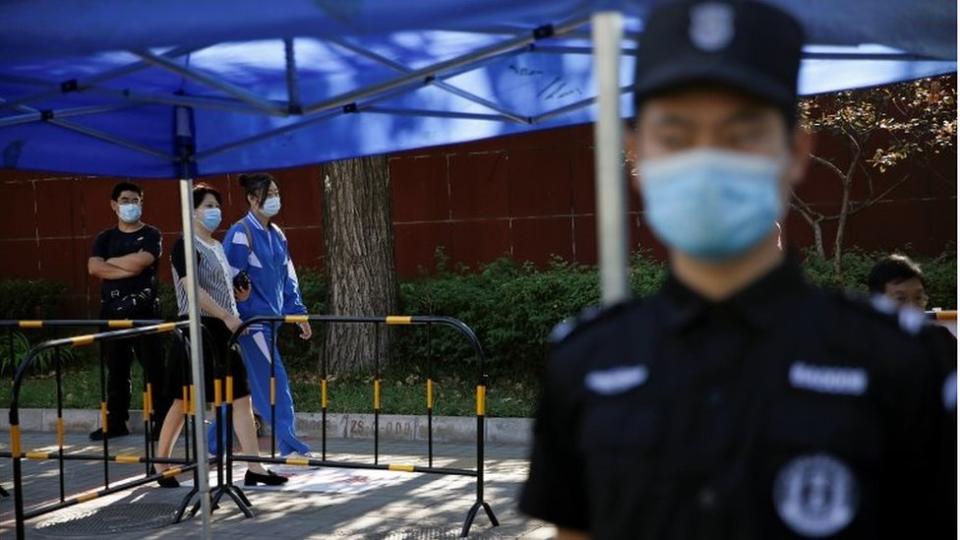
(125, 259)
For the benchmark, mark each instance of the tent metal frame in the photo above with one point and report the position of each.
(79, 85)
(241, 100)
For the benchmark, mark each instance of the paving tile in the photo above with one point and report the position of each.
(420, 502)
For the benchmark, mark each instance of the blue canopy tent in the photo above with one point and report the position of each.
(183, 88)
(89, 88)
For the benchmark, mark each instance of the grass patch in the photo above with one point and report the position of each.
(453, 396)
(81, 389)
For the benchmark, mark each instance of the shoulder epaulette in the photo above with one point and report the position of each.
(879, 307)
(587, 318)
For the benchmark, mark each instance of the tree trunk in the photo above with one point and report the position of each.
(814, 219)
(846, 182)
(818, 238)
(841, 226)
(359, 261)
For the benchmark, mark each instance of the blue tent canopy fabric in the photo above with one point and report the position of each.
(92, 87)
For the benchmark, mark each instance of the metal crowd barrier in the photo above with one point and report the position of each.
(223, 388)
(481, 392)
(34, 325)
(186, 464)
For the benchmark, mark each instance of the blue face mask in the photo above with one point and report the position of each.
(211, 218)
(271, 206)
(712, 204)
(130, 213)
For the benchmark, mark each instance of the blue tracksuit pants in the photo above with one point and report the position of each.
(255, 347)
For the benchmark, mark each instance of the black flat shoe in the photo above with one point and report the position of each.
(112, 432)
(168, 482)
(269, 479)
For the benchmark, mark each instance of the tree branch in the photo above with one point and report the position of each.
(808, 213)
(854, 161)
(872, 201)
(828, 164)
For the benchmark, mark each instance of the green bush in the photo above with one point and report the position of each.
(42, 363)
(511, 307)
(941, 276)
(168, 301)
(646, 274)
(31, 298)
(297, 353)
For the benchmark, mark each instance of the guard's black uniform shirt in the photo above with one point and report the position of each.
(783, 412)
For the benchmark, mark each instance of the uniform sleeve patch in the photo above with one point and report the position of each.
(883, 304)
(911, 320)
(950, 392)
(562, 330)
(829, 379)
(565, 328)
(616, 380)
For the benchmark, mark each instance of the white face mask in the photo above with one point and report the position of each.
(271, 206)
(712, 204)
(210, 218)
(129, 212)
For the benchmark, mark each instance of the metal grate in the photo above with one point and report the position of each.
(435, 533)
(112, 519)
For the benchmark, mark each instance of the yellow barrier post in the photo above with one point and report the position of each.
(15, 440)
(323, 415)
(58, 361)
(481, 400)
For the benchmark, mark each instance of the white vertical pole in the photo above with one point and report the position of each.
(607, 28)
(183, 130)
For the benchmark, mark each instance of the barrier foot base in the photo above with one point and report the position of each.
(236, 495)
(3, 492)
(493, 519)
(184, 503)
(472, 514)
(241, 494)
(196, 506)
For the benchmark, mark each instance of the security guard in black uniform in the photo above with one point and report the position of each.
(738, 402)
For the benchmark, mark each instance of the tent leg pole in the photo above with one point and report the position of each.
(196, 360)
(611, 190)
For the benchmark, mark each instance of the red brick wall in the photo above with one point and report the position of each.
(528, 197)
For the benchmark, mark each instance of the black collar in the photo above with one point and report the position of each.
(758, 304)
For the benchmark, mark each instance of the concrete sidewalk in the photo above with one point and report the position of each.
(381, 505)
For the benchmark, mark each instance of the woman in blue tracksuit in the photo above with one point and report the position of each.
(257, 247)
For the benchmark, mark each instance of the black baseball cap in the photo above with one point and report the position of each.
(745, 45)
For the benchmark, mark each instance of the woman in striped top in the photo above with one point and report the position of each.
(218, 307)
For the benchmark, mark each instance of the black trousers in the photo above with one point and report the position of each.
(119, 355)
